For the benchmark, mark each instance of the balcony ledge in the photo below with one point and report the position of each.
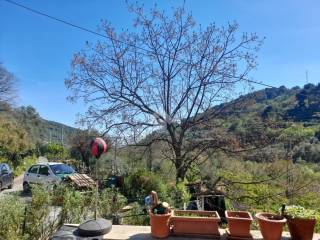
(123, 232)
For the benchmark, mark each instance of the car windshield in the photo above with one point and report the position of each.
(61, 169)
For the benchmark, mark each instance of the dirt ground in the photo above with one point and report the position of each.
(16, 190)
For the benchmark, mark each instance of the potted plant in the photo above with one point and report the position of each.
(160, 214)
(191, 222)
(301, 222)
(239, 223)
(271, 225)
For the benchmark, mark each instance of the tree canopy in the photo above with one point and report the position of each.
(7, 85)
(14, 140)
(163, 76)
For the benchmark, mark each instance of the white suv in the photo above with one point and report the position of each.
(49, 173)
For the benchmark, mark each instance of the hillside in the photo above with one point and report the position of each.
(296, 104)
(39, 130)
(280, 119)
(273, 120)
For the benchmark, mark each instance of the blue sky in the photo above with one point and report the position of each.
(38, 50)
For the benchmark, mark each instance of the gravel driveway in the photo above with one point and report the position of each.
(16, 189)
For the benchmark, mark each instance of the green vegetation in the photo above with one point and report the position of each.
(54, 151)
(178, 195)
(12, 217)
(24, 136)
(48, 210)
(39, 130)
(14, 142)
(279, 164)
(112, 201)
(136, 216)
(269, 156)
(139, 183)
(294, 211)
(24, 164)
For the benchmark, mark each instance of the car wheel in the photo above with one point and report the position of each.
(26, 187)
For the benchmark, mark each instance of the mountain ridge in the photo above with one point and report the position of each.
(40, 130)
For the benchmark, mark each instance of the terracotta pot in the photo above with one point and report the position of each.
(239, 223)
(203, 223)
(301, 228)
(160, 224)
(271, 225)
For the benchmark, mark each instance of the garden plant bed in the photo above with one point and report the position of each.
(195, 223)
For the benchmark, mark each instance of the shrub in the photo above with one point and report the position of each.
(137, 216)
(59, 195)
(140, 183)
(54, 151)
(76, 206)
(111, 202)
(24, 165)
(38, 225)
(317, 228)
(11, 218)
(299, 212)
(179, 195)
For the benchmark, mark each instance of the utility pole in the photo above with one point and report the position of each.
(307, 77)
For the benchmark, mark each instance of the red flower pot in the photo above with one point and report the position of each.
(239, 223)
(160, 224)
(301, 228)
(271, 225)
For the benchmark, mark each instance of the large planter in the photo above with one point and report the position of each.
(239, 223)
(301, 228)
(195, 223)
(160, 224)
(271, 225)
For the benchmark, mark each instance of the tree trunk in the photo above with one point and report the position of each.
(180, 174)
(14, 159)
(85, 159)
(180, 169)
(179, 161)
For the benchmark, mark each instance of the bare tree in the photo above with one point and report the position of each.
(167, 77)
(7, 85)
